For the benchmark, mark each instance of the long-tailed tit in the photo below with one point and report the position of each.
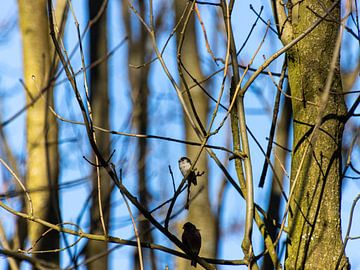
(191, 239)
(185, 166)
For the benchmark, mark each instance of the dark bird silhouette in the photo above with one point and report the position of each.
(191, 239)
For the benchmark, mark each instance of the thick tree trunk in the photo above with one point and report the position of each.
(42, 162)
(314, 237)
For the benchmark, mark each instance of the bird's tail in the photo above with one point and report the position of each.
(188, 197)
(193, 263)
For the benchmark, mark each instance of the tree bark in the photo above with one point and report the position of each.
(42, 162)
(314, 237)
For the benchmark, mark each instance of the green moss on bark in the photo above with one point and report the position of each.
(314, 239)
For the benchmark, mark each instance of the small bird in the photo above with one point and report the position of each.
(191, 239)
(185, 166)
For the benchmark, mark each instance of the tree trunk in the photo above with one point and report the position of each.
(314, 237)
(200, 213)
(139, 54)
(100, 107)
(42, 164)
(280, 161)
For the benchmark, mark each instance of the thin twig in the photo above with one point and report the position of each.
(135, 231)
(5, 244)
(273, 126)
(30, 250)
(21, 185)
(347, 236)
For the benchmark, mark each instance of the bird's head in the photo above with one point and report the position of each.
(189, 226)
(184, 160)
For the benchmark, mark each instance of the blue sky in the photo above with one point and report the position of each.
(166, 120)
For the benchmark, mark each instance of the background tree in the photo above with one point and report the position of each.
(99, 98)
(277, 188)
(138, 55)
(189, 68)
(42, 155)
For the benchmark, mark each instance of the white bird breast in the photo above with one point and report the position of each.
(184, 166)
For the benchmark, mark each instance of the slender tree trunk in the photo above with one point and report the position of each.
(100, 107)
(138, 55)
(42, 166)
(280, 160)
(314, 237)
(200, 213)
